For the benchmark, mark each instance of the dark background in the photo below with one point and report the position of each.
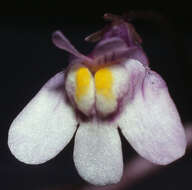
(28, 59)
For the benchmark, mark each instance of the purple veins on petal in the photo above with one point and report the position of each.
(151, 123)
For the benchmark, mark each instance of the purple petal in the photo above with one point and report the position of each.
(152, 124)
(115, 49)
(63, 43)
(125, 31)
(119, 40)
(45, 126)
(109, 45)
(139, 55)
(111, 50)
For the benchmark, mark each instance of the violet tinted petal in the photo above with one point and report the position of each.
(136, 72)
(114, 50)
(120, 31)
(151, 123)
(125, 31)
(139, 55)
(45, 126)
(63, 43)
(109, 45)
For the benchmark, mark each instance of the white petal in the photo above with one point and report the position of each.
(45, 126)
(98, 154)
(151, 123)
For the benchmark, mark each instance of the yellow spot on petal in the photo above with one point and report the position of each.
(83, 78)
(104, 82)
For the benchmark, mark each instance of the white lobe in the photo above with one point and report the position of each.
(44, 127)
(98, 154)
(151, 123)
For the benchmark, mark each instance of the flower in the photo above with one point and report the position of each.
(111, 88)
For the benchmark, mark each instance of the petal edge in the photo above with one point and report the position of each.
(152, 124)
(39, 132)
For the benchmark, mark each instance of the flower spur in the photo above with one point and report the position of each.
(111, 88)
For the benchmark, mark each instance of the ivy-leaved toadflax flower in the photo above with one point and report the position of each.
(112, 87)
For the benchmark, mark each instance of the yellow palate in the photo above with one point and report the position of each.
(104, 82)
(83, 78)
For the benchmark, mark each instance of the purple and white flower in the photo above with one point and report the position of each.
(111, 88)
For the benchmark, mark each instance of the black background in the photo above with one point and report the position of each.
(28, 59)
